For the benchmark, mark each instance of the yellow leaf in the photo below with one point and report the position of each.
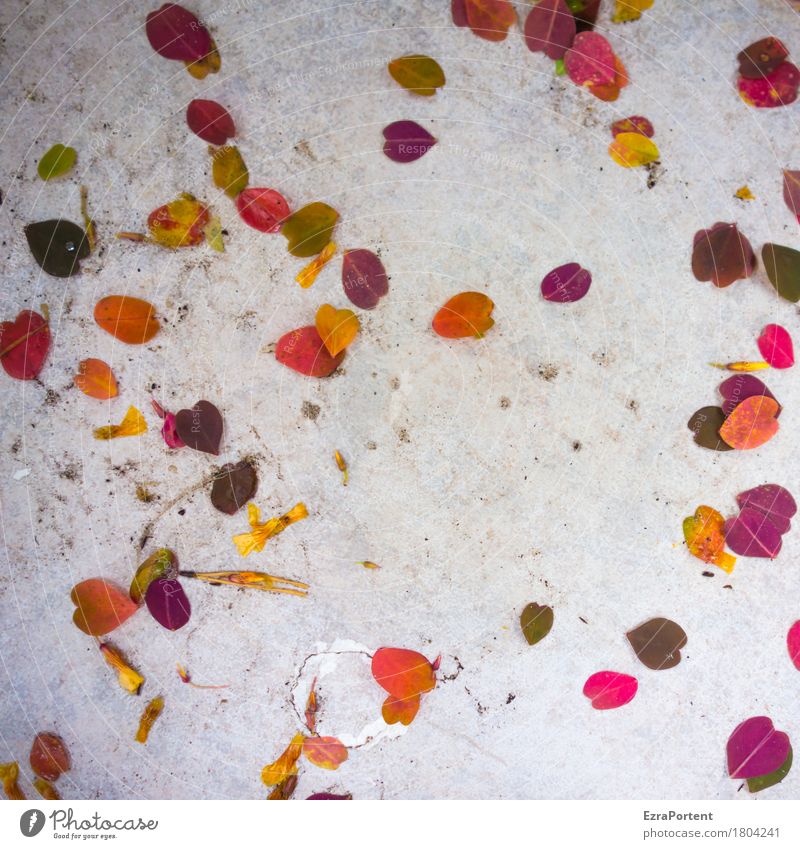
(229, 171)
(256, 539)
(177, 224)
(337, 328)
(132, 425)
(309, 274)
(46, 790)
(213, 234)
(286, 765)
(631, 150)
(630, 10)
(209, 64)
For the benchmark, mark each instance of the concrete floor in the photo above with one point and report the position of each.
(548, 462)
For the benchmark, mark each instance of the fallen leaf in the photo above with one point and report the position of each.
(58, 246)
(550, 28)
(458, 11)
(175, 33)
(286, 765)
(793, 644)
(419, 74)
(490, 19)
(256, 539)
(168, 603)
(755, 748)
(130, 320)
(262, 209)
(337, 328)
(201, 427)
(132, 425)
(406, 141)
(778, 88)
(566, 284)
(722, 255)
(631, 150)
(129, 679)
(657, 643)
(773, 501)
(304, 351)
(608, 690)
(403, 711)
(752, 423)
(46, 790)
(776, 346)
(148, 718)
(234, 486)
(762, 57)
(762, 782)
(325, 752)
(465, 314)
(209, 64)
(309, 230)
(228, 170)
(705, 537)
(57, 161)
(100, 606)
(308, 275)
(169, 431)
(24, 344)
(403, 673)
(364, 278)
(536, 621)
(590, 60)
(791, 191)
(213, 234)
(95, 379)
(160, 564)
(609, 92)
(633, 124)
(782, 265)
(735, 389)
(9, 775)
(330, 796)
(49, 757)
(210, 121)
(705, 425)
(181, 223)
(629, 10)
(751, 534)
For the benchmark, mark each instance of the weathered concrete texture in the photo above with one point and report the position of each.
(549, 461)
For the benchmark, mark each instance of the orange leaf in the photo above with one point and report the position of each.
(337, 328)
(400, 710)
(705, 537)
(130, 320)
(490, 19)
(403, 673)
(96, 379)
(752, 423)
(101, 606)
(467, 314)
(286, 765)
(325, 752)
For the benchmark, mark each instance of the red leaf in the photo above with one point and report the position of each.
(364, 278)
(175, 33)
(490, 19)
(262, 209)
(609, 690)
(791, 191)
(24, 344)
(776, 89)
(211, 121)
(550, 28)
(403, 673)
(590, 60)
(303, 350)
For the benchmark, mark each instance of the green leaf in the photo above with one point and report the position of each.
(57, 161)
(754, 785)
(783, 269)
(536, 621)
(309, 229)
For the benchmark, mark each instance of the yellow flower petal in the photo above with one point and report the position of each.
(257, 538)
(132, 425)
(309, 273)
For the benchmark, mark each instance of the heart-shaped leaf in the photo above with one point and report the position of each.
(130, 320)
(705, 537)
(633, 124)
(58, 246)
(490, 19)
(536, 621)
(211, 121)
(49, 757)
(403, 673)
(466, 314)
(590, 60)
(337, 328)
(168, 603)
(364, 278)
(201, 427)
(566, 284)
(234, 486)
(755, 748)
(160, 564)
(100, 606)
(309, 229)
(303, 350)
(782, 265)
(773, 501)
(262, 209)
(608, 690)
(705, 425)
(550, 28)
(228, 170)
(325, 752)
(658, 642)
(400, 710)
(406, 141)
(24, 344)
(793, 644)
(791, 191)
(632, 150)
(762, 57)
(175, 33)
(751, 534)
(735, 389)
(752, 423)
(419, 74)
(722, 255)
(57, 161)
(778, 88)
(776, 346)
(762, 782)
(95, 379)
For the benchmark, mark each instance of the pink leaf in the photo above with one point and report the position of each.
(793, 644)
(776, 347)
(609, 690)
(755, 748)
(775, 502)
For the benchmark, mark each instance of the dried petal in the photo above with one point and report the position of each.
(251, 580)
(286, 765)
(129, 679)
(9, 774)
(256, 539)
(308, 275)
(132, 425)
(148, 718)
(341, 465)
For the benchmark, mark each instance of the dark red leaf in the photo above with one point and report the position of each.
(201, 427)
(175, 33)
(735, 389)
(566, 284)
(234, 486)
(550, 28)
(722, 255)
(762, 57)
(211, 121)
(364, 278)
(775, 502)
(24, 344)
(168, 603)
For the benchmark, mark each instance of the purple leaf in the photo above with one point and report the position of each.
(755, 748)
(751, 534)
(566, 284)
(406, 141)
(330, 796)
(168, 603)
(735, 389)
(364, 278)
(550, 28)
(773, 501)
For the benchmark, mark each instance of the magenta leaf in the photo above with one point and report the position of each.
(776, 346)
(566, 284)
(609, 690)
(364, 278)
(778, 88)
(755, 748)
(773, 501)
(175, 33)
(168, 603)
(793, 644)
(751, 534)
(329, 797)
(550, 28)
(406, 141)
(735, 389)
